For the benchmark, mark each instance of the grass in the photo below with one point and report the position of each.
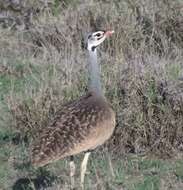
(131, 173)
(143, 173)
(43, 66)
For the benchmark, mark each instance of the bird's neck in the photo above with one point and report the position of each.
(94, 73)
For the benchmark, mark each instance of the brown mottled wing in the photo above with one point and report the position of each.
(72, 126)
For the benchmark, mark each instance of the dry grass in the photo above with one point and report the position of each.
(142, 83)
(43, 66)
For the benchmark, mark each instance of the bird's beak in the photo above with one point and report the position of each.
(109, 32)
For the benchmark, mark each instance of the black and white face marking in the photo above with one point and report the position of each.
(98, 35)
(95, 39)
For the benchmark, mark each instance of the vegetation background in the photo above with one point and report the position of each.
(43, 65)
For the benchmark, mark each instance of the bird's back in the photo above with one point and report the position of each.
(79, 126)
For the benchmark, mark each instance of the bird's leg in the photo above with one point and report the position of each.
(83, 168)
(72, 171)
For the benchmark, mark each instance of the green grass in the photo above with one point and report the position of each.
(12, 84)
(131, 173)
(174, 71)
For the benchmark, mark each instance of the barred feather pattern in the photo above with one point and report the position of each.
(79, 126)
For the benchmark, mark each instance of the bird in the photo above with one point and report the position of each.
(81, 125)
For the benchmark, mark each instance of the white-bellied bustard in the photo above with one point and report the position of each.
(81, 125)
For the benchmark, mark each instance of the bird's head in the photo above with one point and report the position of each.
(96, 38)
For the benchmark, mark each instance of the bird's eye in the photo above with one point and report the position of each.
(98, 35)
